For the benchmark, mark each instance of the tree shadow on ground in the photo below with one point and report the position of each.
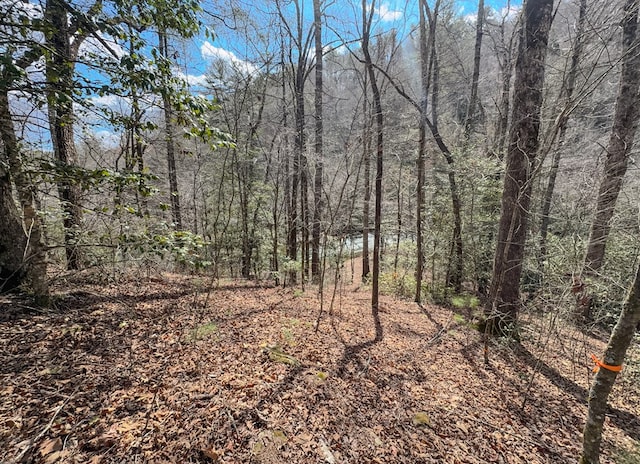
(627, 422)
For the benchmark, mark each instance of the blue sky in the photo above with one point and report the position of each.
(398, 14)
(196, 56)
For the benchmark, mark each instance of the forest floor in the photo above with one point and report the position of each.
(183, 369)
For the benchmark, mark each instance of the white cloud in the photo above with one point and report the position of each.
(107, 138)
(510, 13)
(470, 18)
(213, 53)
(193, 80)
(105, 47)
(113, 102)
(386, 14)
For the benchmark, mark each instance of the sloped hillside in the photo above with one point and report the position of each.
(183, 369)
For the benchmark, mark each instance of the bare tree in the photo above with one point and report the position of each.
(620, 142)
(299, 63)
(503, 46)
(367, 20)
(470, 117)
(566, 94)
(366, 157)
(317, 185)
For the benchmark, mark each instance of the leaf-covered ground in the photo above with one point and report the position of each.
(181, 369)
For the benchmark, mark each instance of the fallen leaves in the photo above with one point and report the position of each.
(49, 446)
(144, 371)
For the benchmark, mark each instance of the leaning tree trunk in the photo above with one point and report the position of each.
(32, 251)
(613, 358)
(523, 146)
(621, 140)
(12, 238)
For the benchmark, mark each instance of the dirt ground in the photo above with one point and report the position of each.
(186, 370)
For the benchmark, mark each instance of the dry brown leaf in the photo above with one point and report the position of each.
(50, 446)
(212, 454)
(56, 456)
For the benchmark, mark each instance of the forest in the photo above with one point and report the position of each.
(362, 231)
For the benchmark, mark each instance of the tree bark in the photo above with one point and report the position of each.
(621, 140)
(420, 201)
(169, 137)
(28, 244)
(12, 238)
(455, 268)
(377, 106)
(567, 95)
(603, 382)
(470, 118)
(426, 45)
(366, 154)
(60, 68)
(505, 62)
(317, 185)
(521, 155)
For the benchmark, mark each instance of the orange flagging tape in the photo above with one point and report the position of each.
(599, 364)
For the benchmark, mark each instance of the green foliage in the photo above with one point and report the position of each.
(628, 456)
(185, 247)
(551, 288)
(464, 301)
(289, 265)
(203, 331)
(400, 285)
(421, 419)
(93, 179)
(276, 354)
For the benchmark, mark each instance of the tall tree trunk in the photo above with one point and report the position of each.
(304, 213)
(367, 17)
(567, 95)
(614, 356)
(297, 192)
(420, 202)
(298, 220)
(317, 186)
(426, 64)
(471, 118)
(398, 216)
(621, 141)
(455, 268)
(60, 68)
(521, 155)
(366, 154)
(505, 62)
(32, 250)
(290, 176)
(169, 136)
(12, 238)
(243, 191)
